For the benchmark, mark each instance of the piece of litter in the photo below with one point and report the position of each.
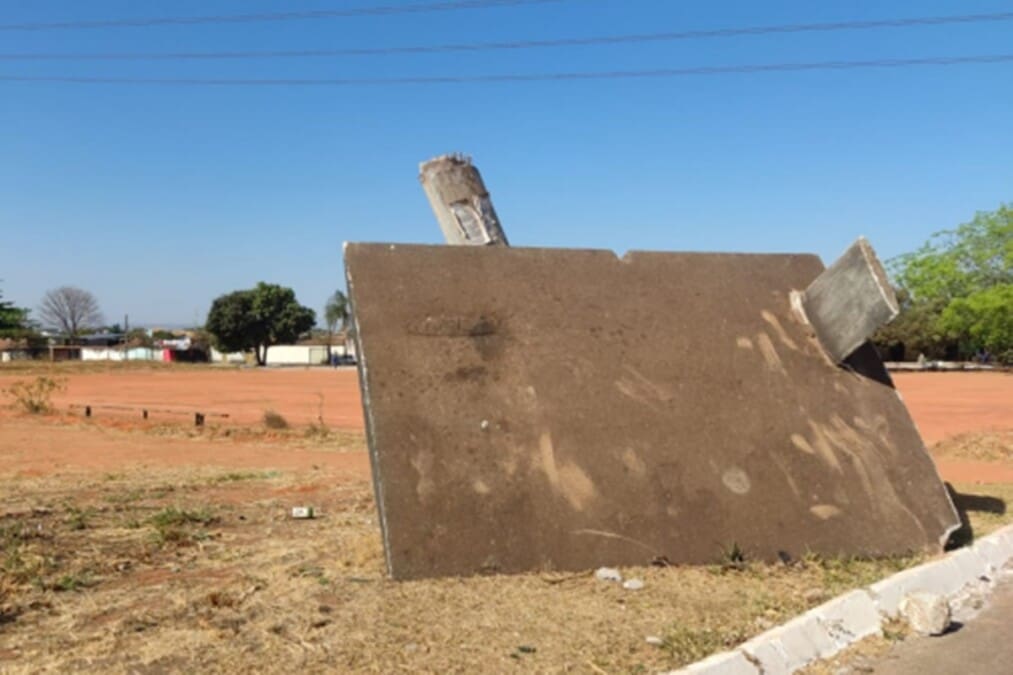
(633, 584)
(302, 512)
(608, 574)
(654, 640)
(484, 425)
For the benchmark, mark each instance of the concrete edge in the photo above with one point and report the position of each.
(830, 628)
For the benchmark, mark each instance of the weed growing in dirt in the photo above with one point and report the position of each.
(733, 558)
(77, 519)
(35, 396)
(318, 432)
(174, 526)
(172, 516)
(73, 582)
(21, 564)
(274, 420)
(237, 476)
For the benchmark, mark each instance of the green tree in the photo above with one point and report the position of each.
(982, 320)
(335, 312)
(956, 289)
(13, 320)
(255, 319)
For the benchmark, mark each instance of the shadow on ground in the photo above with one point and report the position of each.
(966, 503)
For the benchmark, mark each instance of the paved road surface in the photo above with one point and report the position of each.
(983, 646)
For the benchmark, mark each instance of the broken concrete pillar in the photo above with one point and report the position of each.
(850, 301)
(461, 202)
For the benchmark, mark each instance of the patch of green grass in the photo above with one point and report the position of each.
(125, 497)
(177, 526)
(22, 565)
(687, 643)
(173, 516)
(72, 582)
(77, 519)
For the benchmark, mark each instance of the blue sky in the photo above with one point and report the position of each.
(158, 199)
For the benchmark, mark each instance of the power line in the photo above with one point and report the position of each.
(527, 44)
(378, 10)
(536, 77)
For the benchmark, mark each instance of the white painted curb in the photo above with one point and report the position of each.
(833, 626)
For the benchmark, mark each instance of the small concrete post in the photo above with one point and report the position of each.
(461, 202)
(849, 301)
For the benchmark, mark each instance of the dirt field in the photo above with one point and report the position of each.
(943, 404)
(152, 546)
(948, 404)
(301, 395)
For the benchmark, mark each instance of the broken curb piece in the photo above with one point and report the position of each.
(926, 613)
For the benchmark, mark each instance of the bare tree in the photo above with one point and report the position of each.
(70, 309)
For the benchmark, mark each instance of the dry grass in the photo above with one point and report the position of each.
(993, 446)
(200, 569)
(314, 435)
(69, 368)
(204, 570)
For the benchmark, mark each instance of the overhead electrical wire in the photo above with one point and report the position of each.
(376, 10)
(534, 77)
(525, 44)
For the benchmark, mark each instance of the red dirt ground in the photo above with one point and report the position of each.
(942, 404)
(242, 394)
(949, 404)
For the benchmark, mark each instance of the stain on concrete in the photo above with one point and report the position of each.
(633, 463)
(779, 331)
(825, 511)
(736, 480)
(770, 355)
(800, 442)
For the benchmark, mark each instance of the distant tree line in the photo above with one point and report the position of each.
(956, 294)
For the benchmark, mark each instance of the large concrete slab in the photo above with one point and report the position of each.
(564, 409)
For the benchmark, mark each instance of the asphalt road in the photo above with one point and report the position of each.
(982, 646)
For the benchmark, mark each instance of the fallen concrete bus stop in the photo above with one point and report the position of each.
(564, 409)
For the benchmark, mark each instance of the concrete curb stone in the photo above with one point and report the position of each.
(939, 576)
(724, 663)
(789, 647)
(849, 618)
(991, 552)
(835, 625)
